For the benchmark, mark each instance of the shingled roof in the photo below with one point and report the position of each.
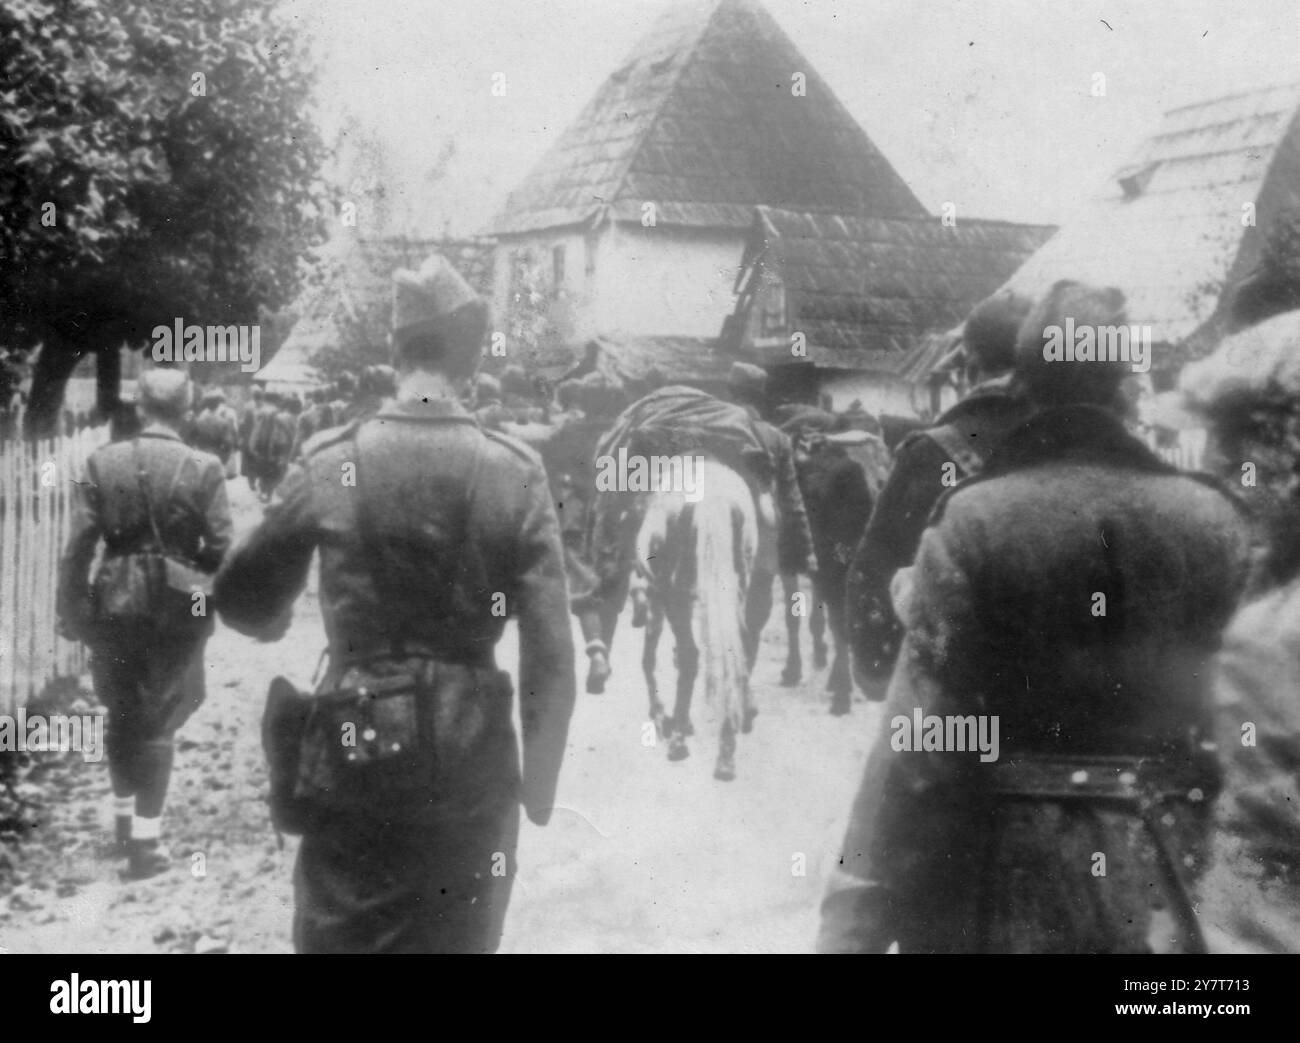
(701, 120)
(864, 290)
(1167, 227)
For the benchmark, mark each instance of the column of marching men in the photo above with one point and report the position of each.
(959, 562)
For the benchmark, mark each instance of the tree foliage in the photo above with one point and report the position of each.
(157, 161)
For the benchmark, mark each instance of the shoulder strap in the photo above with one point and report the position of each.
(146, 487)
(142, 480)
(950, 440)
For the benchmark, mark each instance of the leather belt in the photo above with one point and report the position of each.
(1121, 779)
(401, 649)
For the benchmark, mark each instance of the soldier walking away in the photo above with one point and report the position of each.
(926, 464)
(248, 417)
(747, 387)
(216, 429)
(146, 499)
(431, 532)
(1060, 620)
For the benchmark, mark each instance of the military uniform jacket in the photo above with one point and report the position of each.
(1003, 622)
(438, 575)
(186, 491)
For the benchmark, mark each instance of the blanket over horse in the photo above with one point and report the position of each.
(684, 421)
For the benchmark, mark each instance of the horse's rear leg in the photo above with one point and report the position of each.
(639, 591)
(687, 656)
(817, 624)
(649, 654)
(725, 767)
(793, 672)
(840, 682)
(758, 606)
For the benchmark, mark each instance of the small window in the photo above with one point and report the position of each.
(773, 314)
(557, 268)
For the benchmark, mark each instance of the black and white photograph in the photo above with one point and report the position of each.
(650, 477)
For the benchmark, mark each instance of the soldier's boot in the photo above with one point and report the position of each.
(123, 807)
(147, 858)
(121, 834)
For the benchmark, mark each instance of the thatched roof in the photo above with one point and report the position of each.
(1167, 227)
(348, 298)
(864, 291)
(701, 120)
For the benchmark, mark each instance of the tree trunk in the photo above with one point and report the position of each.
(108, 381)
(54, 365)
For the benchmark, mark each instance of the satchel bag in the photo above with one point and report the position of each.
(364, 749)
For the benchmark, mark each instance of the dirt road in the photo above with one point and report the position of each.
(642, 855)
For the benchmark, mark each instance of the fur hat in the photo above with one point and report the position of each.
(1055, 383)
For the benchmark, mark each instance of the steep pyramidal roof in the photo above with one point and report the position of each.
(701, 120)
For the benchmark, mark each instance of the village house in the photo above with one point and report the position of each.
(634, 223)
(843, 307)
(1180, 226)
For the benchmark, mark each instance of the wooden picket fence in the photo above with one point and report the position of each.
(37, 496)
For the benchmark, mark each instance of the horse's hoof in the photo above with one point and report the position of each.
(747, 722)
(725, 769)
(597, 674)
(639, 611)
(841, 705)
(677, 750)
(663, 727)
(819, 658)
(790, 678)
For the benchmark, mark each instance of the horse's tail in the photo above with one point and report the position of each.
(725, 528)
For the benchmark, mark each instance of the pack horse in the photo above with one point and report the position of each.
(694, 564)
